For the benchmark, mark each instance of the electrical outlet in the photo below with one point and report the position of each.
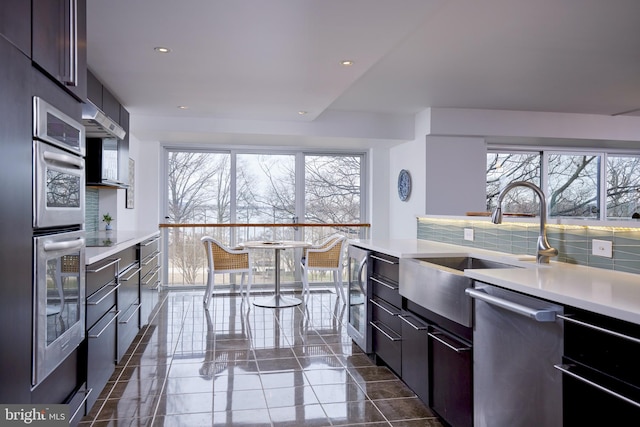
(603, 248)
(468, 234)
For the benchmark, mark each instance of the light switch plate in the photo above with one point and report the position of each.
(603, 248)
(468, 234)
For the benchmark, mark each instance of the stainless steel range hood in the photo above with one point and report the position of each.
(98, 124)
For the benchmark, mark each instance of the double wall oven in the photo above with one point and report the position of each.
(58, 238)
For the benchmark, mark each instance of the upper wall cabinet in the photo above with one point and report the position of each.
(14, 18)
(59, 45)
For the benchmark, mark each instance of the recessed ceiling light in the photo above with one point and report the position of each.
(161, 49)
(302, 112)
(183, 107)
(346, 62)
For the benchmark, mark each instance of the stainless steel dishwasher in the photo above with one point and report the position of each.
(517, 340)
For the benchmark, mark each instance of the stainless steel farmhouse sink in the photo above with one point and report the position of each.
(438, 284)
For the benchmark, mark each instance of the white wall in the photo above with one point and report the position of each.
(455, 181)
(402, 215)
(378, 193)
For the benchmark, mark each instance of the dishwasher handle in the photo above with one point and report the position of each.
(548, 315)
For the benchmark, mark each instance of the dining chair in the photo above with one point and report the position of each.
(222, 259)
(327, 256)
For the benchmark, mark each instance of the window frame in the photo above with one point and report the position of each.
(545, 151)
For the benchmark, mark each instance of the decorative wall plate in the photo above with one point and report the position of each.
(404, 184)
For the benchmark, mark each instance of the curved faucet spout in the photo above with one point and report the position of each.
(545, 251)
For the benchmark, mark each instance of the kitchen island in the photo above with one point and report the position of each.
(506, 358)
(605, 292)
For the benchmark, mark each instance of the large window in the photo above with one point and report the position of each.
(252, 187)
(623, 186)
(576, 184)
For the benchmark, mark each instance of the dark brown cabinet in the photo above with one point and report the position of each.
(58, 31)
(149, 255)
(15, 19)
(415, 354)
(385, 306)
(107, 159)
(102, 315)
(128, 300)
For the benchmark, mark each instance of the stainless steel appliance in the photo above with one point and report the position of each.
(600, 369)
(517, 341)
(359, 292)
(59, 293)
(58, 238)
(58, 168)
(57, 128)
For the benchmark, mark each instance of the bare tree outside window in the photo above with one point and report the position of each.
(623, 186)
(198, 192)
(574, 183)
(332, 189)
(504, 168)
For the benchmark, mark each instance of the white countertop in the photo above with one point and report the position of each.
(123, 239)
(607, 292)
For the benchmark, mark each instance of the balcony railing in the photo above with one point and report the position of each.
(185, 262)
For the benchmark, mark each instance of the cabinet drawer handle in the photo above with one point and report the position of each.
(111, 262)
(84, 400)
(115, 316)
(394, 288)
(151, 275)
(150, 258)
(115, 286)
(385, 309)
(124, 322)
(565, 369)
(435, 336)
(374, 324)
(149, 242)
(131, 275)
(405, 317)
(383, 260)
(568, 318)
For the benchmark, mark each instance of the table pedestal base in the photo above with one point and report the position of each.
(277, 301)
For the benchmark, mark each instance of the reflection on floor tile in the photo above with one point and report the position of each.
(236, 364)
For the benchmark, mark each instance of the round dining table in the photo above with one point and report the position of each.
(277, 300)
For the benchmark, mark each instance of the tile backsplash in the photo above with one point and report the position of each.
(91, 209)
(574, 242)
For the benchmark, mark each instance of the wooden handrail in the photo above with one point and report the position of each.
(168, 225)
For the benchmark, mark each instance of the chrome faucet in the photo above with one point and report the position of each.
(545, 251)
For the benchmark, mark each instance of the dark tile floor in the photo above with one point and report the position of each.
(241, 365)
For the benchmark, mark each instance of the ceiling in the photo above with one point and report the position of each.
(246, 68)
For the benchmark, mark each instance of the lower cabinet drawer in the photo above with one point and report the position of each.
(386, 313)
(387, 345)
(128, 327)
(415, 355)
(100, 302)
(101, 354)
(386, 290)
(451, 378)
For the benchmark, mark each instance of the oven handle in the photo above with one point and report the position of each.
(74, 161)
(523, 310)
(60, 246)
(568, 318)
(565, 369)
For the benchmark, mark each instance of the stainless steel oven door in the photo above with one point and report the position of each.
(58, 300)
(59, 187)
(55, 127)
